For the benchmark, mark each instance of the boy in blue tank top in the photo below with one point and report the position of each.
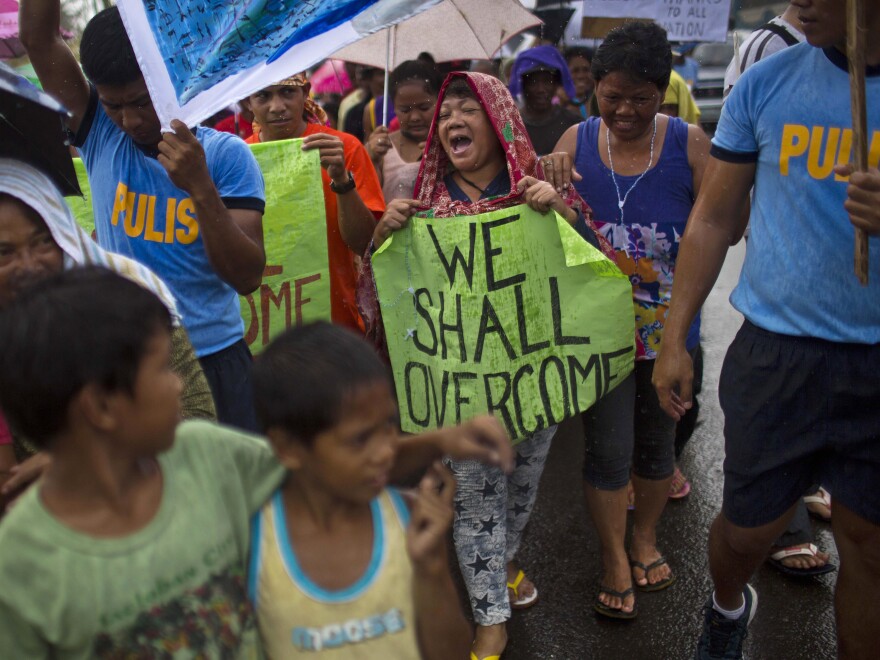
(339, 564)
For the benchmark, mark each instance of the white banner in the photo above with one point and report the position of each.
(620, 8)
(199, 56)
(694, 20)
(683, 20)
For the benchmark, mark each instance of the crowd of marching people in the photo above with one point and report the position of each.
(169, 495)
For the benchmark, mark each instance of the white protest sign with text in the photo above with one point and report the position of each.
(694, 20)
(683, 20)
(620, 8)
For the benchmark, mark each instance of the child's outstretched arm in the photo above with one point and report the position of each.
(7, 462)
(481, 439)
(21, 476)
(443, 632)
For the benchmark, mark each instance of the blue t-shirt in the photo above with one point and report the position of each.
(140, 213)
(791, 115)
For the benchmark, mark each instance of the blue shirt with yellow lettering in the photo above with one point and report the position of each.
(140, 213)
(790, 114)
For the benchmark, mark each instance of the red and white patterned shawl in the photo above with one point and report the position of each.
(521, 158)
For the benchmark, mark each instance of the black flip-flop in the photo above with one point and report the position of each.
(657, 586)
(801, 572)
(610, 612)
(775, 560)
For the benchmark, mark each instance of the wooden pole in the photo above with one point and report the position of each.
(855, 53)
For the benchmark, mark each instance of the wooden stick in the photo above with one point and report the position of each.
(855, 53)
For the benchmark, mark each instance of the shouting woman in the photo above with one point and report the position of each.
(479, 159)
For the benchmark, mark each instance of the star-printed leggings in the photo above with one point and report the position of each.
(491, 512)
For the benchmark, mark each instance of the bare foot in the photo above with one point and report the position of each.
(490, 640)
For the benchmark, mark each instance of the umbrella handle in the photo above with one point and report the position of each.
(388, 59)
(855, 53)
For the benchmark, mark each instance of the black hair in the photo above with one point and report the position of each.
(414, 71)
(80, 327)
(105, 51)
(578, 51)
(25, 208)
(639, 49)
(556, 73)
(368, 72)
(460, 89)
(303, 379)
(331, 107)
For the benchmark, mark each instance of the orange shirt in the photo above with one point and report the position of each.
(343, 274)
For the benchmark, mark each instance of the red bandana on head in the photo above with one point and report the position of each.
(504, 116)
(312, 112)
(521, 158)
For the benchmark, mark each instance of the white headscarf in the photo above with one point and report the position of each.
(29, 185)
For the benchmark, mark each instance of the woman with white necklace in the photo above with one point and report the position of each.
(640, 172)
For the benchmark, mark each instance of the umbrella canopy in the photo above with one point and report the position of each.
(10, 46)
(32, 129)
(330, 78)
(452, 30)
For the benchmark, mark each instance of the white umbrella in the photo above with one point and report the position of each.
(452, 30)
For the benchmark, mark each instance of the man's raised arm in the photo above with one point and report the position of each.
(56, 67)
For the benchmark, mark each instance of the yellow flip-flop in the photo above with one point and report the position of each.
(526, 602)
(488, 657)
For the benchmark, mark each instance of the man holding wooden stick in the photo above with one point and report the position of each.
(799, 387)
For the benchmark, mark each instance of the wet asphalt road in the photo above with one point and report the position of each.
(560, 551)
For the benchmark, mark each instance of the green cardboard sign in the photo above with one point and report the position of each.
(510, 312)
(82, 206)
(296, 280)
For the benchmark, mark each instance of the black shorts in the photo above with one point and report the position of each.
(799, 411)
(229, 374)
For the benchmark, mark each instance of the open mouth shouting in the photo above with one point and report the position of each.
(459, 144)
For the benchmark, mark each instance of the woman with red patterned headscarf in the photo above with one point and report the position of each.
(478, 159)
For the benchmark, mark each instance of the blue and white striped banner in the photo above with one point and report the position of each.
(199, 56)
